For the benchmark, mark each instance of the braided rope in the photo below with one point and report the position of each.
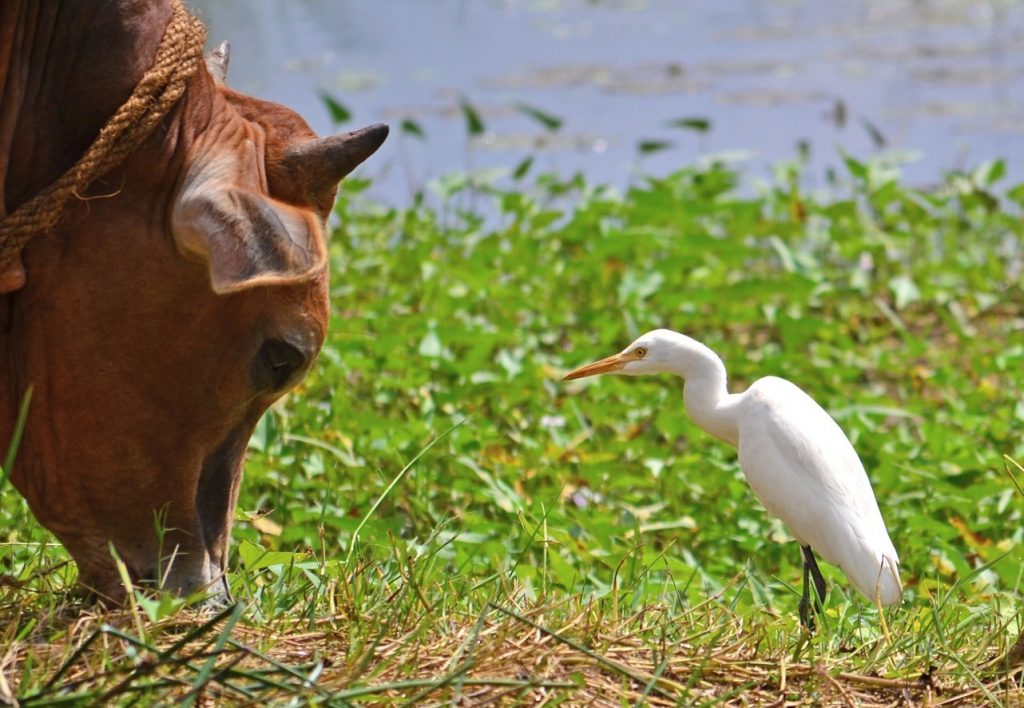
(179, 54)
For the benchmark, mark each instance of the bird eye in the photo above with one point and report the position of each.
(640, 352)
(279, 361)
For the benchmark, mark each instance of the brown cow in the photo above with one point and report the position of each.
(171, 305)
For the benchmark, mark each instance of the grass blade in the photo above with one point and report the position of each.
(394, 483)
(19, 429)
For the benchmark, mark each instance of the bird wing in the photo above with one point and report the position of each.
(804, 470)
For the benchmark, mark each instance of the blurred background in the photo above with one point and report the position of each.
(608, 87)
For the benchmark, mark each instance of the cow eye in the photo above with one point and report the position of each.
(280, 361)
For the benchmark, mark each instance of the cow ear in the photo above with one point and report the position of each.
(247, 239)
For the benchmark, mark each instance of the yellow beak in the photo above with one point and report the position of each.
(611, 363)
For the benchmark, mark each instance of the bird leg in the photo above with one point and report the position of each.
(811, 571)
(806, 618)
(819, 581)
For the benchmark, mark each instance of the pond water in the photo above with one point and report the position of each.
(939, 81)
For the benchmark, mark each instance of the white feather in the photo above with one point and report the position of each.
(805, 472)
(797, 460)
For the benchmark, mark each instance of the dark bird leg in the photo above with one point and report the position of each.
(811, 571)
(806, 618)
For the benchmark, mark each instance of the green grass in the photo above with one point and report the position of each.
(435, 514)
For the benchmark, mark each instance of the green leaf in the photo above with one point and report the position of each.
(511, 362)
(549, 121)
(410, 127)
(856, 168)
(989, 172)
(339, 113)
(522, 168)
(255, 557)
(874, 132)
(639, 286)
(430, 346)
(1016, 194)
(474, 124)
(904, 291)
(647, 147)
(164, 605)
(699, 125)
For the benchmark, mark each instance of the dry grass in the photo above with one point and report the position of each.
(564, 653)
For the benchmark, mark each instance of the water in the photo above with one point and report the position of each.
(941, 80)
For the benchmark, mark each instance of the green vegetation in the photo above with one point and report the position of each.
(434, 514)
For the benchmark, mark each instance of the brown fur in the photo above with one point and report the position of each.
(144, 387)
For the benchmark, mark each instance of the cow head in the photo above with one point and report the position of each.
(160, 322)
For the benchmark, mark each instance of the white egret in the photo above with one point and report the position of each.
(794, 456)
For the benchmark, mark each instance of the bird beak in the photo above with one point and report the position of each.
(606, 365)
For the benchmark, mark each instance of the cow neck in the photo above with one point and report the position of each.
(64, 70)
(94, 52)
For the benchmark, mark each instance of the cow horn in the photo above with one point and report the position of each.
(319, 165)
(217, 63)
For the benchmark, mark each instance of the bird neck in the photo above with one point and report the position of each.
(707, 399)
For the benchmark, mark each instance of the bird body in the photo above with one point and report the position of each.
(787, 442)
(797, 460)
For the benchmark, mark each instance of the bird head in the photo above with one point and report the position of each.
(650, 353)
